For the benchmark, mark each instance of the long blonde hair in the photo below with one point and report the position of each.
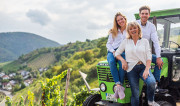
(133, 24)
(114, 30)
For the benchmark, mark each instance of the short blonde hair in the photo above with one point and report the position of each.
(114, 30)
(133, 24)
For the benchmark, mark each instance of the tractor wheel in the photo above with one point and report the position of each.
(165, 100)
(164, 103)
(90, 101)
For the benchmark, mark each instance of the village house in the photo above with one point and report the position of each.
(4, 77)
(24, 73)
(7, 86)
(12, 75)
(12, 82)
(28, 82)
(2, 74)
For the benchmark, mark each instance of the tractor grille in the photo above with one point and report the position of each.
(104, 74)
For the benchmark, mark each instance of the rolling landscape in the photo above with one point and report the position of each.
(45, 67)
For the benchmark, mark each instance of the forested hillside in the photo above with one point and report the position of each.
(14, 44)
(80, 56)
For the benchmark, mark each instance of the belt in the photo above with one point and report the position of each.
(140, 62)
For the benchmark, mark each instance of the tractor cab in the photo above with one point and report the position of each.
(167, 23)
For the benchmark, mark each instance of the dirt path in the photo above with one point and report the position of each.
(7, 94)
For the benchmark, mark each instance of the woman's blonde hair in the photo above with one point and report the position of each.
(114, 30)
(133, 24)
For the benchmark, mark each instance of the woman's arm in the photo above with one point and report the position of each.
(118, 53)
(109, 43)
(148, 57)
(146, 71)
(124, 63)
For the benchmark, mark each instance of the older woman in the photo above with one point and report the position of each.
(116, 35)
(137, 63)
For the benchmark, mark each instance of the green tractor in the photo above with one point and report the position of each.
(170, 74)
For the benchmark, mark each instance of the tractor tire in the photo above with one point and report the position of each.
(165, 100)
(164, 103)
(90, 101)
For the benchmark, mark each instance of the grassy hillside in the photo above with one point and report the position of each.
(80, 56)
(43, 60)
(14, 44)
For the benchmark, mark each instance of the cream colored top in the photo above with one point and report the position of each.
(113, 43)
(135, 53)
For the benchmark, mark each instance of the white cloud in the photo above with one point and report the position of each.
(70, 20)
(38, 16)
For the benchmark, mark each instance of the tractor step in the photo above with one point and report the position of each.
(109, 103)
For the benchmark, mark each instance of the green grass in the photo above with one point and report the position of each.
(4, 63)
(44, 60)
(12, 66)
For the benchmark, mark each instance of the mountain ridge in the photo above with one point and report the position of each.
(14, 44)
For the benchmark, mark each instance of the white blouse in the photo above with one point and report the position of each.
(113, 43)
(135, 53)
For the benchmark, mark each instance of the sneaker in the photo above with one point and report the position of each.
(162, 91)
(121, 92)
(153, 104)
(116, 96)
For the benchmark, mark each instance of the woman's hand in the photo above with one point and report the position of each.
(114, 53)
(146, 73)
(124, 64)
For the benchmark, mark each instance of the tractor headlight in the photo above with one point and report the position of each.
(114, 88)
(103, 87)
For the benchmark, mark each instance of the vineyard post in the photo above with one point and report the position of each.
(67, 85)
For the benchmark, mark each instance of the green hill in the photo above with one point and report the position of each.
(82, 56)
(14, 44)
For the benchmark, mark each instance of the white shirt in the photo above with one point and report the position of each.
(149, 32)
(135, 53)
(113, 43)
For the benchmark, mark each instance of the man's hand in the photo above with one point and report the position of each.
(159, 62)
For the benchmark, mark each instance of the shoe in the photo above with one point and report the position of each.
(116, 96)
(153, 104)
(121, 92)
(161, 91)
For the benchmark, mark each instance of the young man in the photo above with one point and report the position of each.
(149, 32)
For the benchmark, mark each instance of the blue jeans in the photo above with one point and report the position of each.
(133, 77)
(118, 76)
(157, 71)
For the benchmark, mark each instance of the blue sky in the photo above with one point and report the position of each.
(70, 20)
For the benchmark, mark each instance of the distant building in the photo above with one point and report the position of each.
(12, 82)
(2, 74)
(4, 77)
(7, 86)
(24, 73)
(12, 75)
(28, 82)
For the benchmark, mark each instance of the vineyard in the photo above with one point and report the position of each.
(53, 94)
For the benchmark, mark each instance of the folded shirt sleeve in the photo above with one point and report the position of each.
(121, 48)
(109, 43)
(148, 50)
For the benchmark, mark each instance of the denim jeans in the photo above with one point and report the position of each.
(157, 71)
(118, 76)
(133, 77)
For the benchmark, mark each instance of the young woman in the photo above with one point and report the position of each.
(137, 63)
(116, 35)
